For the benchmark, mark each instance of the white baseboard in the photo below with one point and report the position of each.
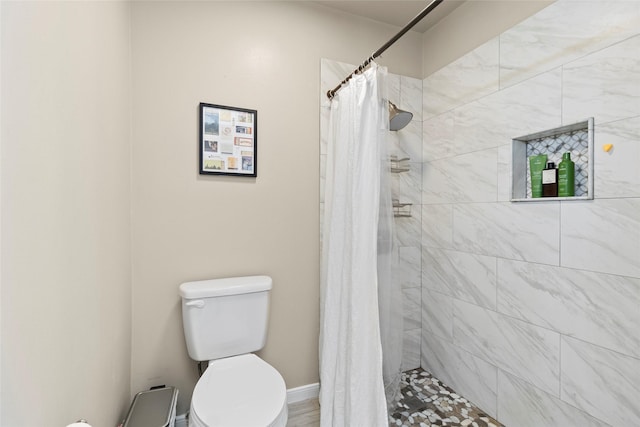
(304, 392)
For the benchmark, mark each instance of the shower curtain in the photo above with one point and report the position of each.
(357, 234)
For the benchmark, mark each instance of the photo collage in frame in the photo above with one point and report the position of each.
(228, 140)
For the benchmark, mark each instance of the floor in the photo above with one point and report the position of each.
(425, 402)
(304, 414)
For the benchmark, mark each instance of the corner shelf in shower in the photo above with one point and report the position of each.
(399, 165)
(576, 138)
(400, 210)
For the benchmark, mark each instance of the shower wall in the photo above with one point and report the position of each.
(532, 310)
(406, 93)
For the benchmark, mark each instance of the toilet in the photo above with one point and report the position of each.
(225, 320)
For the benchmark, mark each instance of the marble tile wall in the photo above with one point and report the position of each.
(618, 175)
(531, 310)
(475, 378)
(468, 78)
(601, 382)
(406, 93)
(516, 396)
(406, 187)
(561, 33)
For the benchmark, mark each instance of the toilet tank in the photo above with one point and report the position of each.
(225, 317)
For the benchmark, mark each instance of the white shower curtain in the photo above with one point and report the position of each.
(389, 288)
(352, 389)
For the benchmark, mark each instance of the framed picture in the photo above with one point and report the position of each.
(228, 140)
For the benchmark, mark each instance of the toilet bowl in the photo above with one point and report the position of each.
(239, 391)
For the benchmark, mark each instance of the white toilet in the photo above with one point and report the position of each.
(224, 321)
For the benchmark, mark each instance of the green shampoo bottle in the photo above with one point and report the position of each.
(536, 165)
(566, 176)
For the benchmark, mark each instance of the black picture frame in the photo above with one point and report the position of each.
(228, 140)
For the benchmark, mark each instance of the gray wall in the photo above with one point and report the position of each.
(66, 259)
(259, 55)
(531, 309)
(102, 205)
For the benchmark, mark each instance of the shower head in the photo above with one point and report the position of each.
(398, 118)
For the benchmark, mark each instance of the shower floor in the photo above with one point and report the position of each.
(427, 402)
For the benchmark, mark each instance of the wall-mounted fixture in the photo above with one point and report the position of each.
(399, 165)
(398, 118)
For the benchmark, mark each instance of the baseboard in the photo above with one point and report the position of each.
(304, 392)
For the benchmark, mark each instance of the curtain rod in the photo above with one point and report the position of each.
(377, 53)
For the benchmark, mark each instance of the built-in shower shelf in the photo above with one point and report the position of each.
(401, 209)
(576, 139)
(399, 165)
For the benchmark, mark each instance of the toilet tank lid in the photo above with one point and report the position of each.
(226, 286)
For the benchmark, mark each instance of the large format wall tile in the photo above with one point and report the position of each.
(466, 178)
(406, 93)
(410, 140)
(504, 173)
(437, 137)
(410, 261)
(471, 77)
(393, 87)
(325, 112)
(465, 276)
(604, 85)
(470, 376)
(410, 96)
(522, 405)
(527, 232)
(562, 32)
(437, 314)
(617, 173)
(602, 235)
(411, 349)
(411, 308)
(601, 382)
(492, 121)
(437, 226)
(600, 308)
(527, 351)
(408, 229)
(323, 173)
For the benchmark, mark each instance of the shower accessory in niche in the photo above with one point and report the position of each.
(398, 118)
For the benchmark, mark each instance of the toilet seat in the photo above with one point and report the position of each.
(239, 391)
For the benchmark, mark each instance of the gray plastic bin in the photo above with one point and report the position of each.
(153, 408)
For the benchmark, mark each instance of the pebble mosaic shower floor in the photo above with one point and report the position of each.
(427, 402)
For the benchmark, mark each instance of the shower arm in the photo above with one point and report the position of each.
(331, 93)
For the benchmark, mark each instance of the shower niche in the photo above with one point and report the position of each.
(576, 139)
